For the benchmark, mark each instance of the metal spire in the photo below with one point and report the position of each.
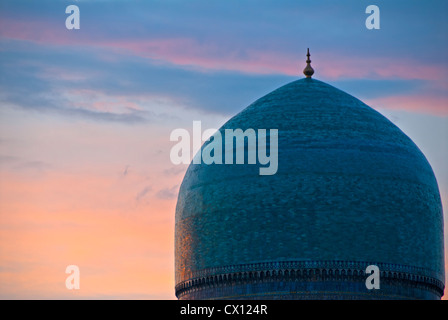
(308, 71)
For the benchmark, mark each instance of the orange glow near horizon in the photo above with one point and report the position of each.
(124, 249)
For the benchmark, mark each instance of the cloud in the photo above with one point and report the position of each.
(132, 91)
(143, 193)
(168, 193)
(126, 170)
(419, 104)
(20, 164)
(130, 118)
(170, 56)
(6, 159)
(133, 50)
(143, 89)
(421, 96)
(175, 171)
(156, 31)
(33, 165)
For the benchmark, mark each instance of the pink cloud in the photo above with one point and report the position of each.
(340, 67)
(423, 104)
(211, 56)
(39, 31)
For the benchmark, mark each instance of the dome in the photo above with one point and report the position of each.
(351, 190)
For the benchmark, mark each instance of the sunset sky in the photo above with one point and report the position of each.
(86, 116)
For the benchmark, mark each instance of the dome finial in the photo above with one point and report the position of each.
(308, 71)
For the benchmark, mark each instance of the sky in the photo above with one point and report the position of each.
(86, 116)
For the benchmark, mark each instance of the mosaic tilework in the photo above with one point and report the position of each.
(350, 186)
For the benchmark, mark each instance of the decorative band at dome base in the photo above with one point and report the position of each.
(310, 280)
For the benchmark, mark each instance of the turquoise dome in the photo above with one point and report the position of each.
(351, 190)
